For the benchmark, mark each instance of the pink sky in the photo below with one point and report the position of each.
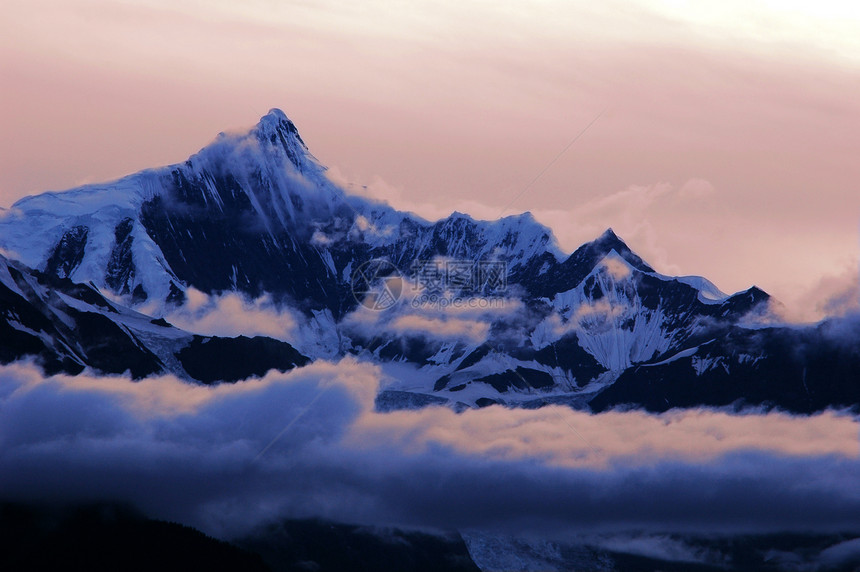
(728, 147)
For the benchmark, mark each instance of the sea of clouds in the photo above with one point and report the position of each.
(308, 443)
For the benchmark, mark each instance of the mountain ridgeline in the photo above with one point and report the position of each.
(91, 275)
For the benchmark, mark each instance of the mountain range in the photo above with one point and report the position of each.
(458, 312)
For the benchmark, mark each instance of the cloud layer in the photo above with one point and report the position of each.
(307, 443)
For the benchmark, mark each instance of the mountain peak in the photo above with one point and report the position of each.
(275, 124)
(609, 241)
(277, 114)
(523, 217)
(587, 256)
(276, 129)
(275, 118)
(608, 234)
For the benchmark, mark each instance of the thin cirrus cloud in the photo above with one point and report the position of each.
(193, 454)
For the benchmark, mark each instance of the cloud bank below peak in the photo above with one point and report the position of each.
(309, 444)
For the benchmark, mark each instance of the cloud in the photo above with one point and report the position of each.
(616, 267)
(591, 317)
(841, 554)
(444, 316)
(832, 295)
(424, 321)
(641, 214)
(378, 189)
(193, 454)
(597, 315)
(320, 239)
(696, 189)
(837, 294)
(564, 437)
(450, 328)
(654, 546)
(233, 314)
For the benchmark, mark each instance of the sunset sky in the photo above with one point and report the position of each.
(725, 145)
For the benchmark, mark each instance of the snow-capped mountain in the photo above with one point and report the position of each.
(255, 214)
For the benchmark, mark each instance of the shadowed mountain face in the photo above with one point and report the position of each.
(254, 214)
(110, 537)
(67, 327)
